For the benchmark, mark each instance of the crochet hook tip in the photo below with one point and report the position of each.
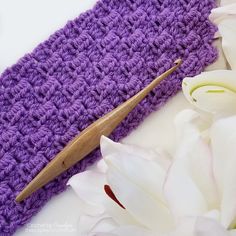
(178, 62)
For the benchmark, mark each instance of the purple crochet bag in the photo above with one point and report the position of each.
(84, 70)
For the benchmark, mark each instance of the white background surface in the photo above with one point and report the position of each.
(23, 25)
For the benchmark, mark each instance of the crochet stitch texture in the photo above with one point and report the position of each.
(84, 70)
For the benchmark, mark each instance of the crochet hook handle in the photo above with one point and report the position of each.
(89, 139)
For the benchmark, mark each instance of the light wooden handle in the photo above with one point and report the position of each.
(89, 139)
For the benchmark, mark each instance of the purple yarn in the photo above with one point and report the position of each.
(84, 70)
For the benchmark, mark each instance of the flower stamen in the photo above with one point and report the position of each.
(110, 194)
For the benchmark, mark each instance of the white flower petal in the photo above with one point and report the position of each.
(199, 226)
(192, 166)
(156, 154)
(185, 227)
(125, 164)
(131, 165)
(227, 30)
(89, 225)
(89, 186)
(228, 205)
(109, 147)
(221, 13)
(101, 166)
(191, 124)
(227, 2)
(213, 91)
(207, 227)
(182, 194)
(221, 149)
(162, 157)
(120, 215)
(223, 137)
(213, 214)
(144, 207)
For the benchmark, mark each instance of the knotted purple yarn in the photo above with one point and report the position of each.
(81, 72)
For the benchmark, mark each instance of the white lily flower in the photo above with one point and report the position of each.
(225, 18)
(133, 193)
(213, 91)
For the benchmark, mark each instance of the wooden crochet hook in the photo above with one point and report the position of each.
(89, 139)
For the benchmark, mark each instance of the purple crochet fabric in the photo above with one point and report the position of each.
(81, 72)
